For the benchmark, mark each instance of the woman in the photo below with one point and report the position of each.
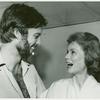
(83, 62)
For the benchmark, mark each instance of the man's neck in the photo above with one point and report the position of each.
(10, 56)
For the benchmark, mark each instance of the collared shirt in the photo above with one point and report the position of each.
(9, 86)
(68, 88)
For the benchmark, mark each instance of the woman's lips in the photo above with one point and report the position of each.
(69, 64)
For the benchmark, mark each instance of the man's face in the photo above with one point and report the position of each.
(29, 42)
(33, 38)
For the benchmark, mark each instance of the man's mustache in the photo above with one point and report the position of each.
(34, 45)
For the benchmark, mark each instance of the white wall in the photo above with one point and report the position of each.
(50, 58)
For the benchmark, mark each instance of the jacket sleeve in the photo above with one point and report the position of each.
(39, 83)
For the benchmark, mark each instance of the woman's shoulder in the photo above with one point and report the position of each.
(64, 80)
(56, 88)
(61, 82)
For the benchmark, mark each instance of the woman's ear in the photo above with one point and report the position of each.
(17, 34)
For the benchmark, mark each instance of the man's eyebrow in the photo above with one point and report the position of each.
(37, 34)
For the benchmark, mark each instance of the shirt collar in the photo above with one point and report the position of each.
(1, 61)
(25, 65)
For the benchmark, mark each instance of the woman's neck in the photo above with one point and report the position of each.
(81, 78)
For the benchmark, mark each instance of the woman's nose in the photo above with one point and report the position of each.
(67, 56)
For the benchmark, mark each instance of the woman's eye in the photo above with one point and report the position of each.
(73, 52)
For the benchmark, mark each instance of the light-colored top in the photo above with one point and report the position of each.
(68, 88)
(9, 87)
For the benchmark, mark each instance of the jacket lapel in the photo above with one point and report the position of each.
(29, 78)
(13, 82)
(10, 78)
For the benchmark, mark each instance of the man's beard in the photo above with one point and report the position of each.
(24, 53)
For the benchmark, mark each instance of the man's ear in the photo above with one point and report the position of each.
(17, 34)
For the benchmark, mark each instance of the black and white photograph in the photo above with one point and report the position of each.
(49, 49)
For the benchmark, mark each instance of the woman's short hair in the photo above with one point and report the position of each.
(21, 17)
(91, 47)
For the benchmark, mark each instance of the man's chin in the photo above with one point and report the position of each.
(24, 55)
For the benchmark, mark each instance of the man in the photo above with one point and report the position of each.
(20, 29)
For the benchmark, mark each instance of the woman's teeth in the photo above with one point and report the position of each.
(70, 64)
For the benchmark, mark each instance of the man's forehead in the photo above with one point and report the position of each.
(35, 29)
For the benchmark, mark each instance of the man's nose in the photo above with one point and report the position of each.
(38, 41)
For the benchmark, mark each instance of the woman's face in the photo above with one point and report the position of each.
(75, 58)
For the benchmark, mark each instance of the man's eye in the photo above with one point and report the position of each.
(37, 36)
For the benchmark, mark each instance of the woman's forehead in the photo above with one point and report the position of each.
(74, 45)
